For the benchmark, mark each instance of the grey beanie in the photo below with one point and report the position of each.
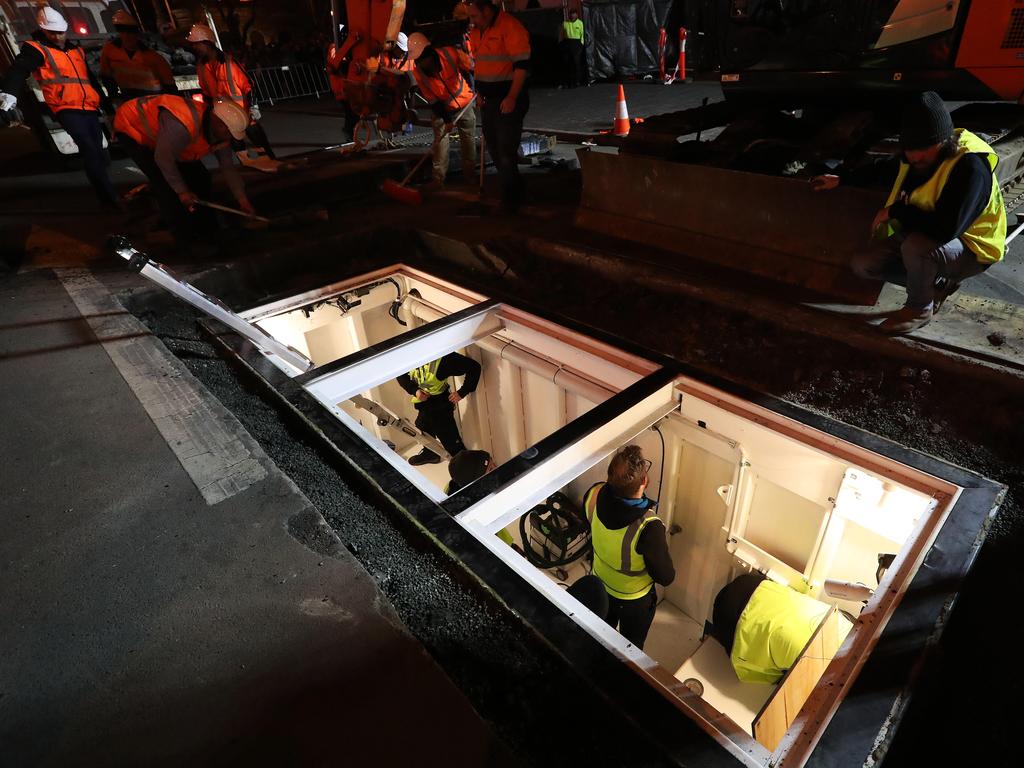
(926, 122)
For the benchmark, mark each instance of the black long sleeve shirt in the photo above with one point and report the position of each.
(29, 60)
(452, 364)
(963, 198)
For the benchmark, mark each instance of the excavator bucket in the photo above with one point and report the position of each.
(772, 227)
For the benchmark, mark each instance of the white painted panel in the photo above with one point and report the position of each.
(556, 471)
(792, 465)
(698, 550)
(341, 384)
(917, 19)
(783, 524)
(543, 408)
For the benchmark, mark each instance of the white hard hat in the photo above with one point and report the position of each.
(50, 20)
(417, 42)
(402, 41)
(200, 33)
(124, 19)
(233, 116)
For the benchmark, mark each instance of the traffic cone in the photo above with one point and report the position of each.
(621, 125)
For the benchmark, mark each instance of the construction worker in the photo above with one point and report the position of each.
(435, 402)
(129, 67)
(397, 57)
(501, 51)
(629, 543)
(945, 219)
(221, 77)
(70, 91)
(467, 466)
(570, 36)
(168, 136)
(337, 72)
(439, 75)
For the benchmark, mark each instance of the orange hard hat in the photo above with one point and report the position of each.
(201, 33)
(124, 19)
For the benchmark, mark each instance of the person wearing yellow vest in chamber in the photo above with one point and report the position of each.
(466, 467)
(629, 543)
(435, 401)
(945, 219)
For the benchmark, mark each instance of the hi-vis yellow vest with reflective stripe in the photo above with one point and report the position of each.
(986, 236)
(616, 562)
(426, 379)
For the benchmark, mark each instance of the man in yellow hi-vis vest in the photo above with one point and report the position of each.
(435, 402)
(630, 546)
(945, 219)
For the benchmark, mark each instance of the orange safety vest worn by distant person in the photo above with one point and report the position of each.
(449, 87)
(497, 49)
(138, 119)
(64, 78)
(224, 80)
(141, 70)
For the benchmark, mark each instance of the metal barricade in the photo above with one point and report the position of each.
(289, 81)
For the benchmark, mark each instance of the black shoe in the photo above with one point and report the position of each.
(944, 288)
(426, 456)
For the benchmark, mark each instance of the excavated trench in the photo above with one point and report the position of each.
(965, 706)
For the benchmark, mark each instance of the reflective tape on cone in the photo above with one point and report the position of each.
(621, 127)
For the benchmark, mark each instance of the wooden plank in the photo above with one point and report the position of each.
(798, 683)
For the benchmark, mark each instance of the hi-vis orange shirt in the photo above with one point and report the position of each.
(64, 79)
(141, 70)
(224, 80)
(449, 87)
(138, 119)
(497, 51)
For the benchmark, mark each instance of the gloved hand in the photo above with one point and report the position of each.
(7, 101)
(254, 112)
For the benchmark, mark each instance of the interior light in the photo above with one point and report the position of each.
(82, 30)
(888, 511)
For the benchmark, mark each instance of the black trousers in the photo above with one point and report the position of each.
(573, 67)
(633, 618)
(184, 226)
(436, 417)
(503, 134)
(84, 128)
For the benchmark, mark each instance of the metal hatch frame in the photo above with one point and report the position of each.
(875, 677)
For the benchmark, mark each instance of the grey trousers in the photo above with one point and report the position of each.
(465, 127)
(916, 261)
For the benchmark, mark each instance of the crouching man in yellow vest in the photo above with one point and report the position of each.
(630, 546)
(945, 219)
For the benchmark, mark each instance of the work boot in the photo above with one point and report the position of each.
(426, 456)
(905, 320)
(944, 288)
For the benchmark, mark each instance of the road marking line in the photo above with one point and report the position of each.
(216, 451)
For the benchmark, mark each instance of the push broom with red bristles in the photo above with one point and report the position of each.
(399, 192)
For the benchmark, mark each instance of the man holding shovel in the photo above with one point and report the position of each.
(441, 74)
(168, 136)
